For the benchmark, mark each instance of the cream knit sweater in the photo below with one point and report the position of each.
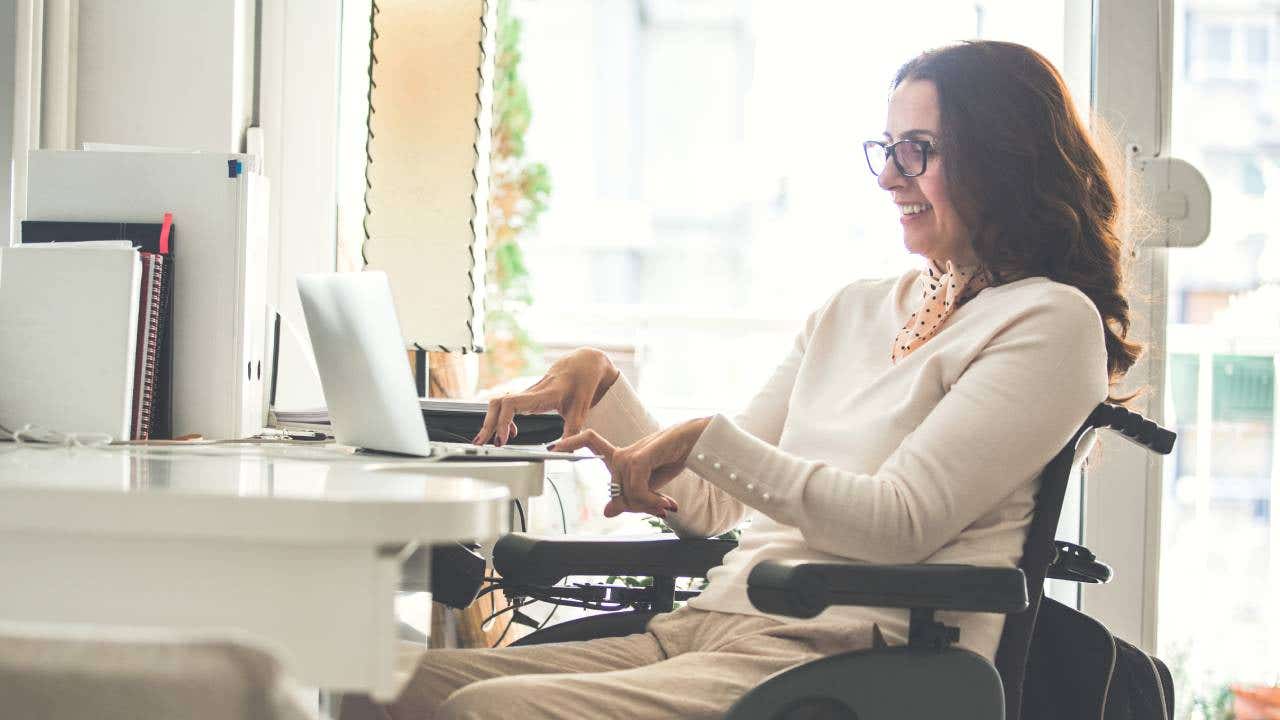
(845, 457)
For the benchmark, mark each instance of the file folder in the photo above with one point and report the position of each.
(68, 338)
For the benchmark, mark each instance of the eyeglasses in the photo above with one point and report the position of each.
(911, 157)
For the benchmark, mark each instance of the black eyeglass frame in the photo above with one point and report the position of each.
(890, 150)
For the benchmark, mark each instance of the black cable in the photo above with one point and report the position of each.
(494, 616)
(564, 522)
(583, 604)
(512, 621)
(586, 605)
(520, 509)
(547, 619)
(491, 588)
(493, 603)
(506, 629)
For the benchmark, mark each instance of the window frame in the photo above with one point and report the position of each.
(22, 107)
(1132, 86)
(298, 111)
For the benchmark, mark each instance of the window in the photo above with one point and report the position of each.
(1252, 181)
(1255, 46)
(1220, 555)
(1217, 44)
(1232, 45)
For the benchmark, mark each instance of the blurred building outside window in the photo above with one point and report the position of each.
(1220, 557)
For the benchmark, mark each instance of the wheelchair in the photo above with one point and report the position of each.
(1041, 642)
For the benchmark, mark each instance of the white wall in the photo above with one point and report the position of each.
(173, 73)
(187, 74)
(298, 111)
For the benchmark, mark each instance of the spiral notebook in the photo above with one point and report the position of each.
(152, 379)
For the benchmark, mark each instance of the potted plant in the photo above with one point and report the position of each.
(1256, 702)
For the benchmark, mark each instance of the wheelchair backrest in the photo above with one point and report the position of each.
(1038, 550)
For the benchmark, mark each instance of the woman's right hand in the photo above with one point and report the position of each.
(572, 386)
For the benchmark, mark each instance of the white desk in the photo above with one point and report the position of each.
(300, 546)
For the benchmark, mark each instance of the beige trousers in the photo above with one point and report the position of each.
(688, 664)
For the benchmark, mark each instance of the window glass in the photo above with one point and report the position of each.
(1220, 555)
(1255, 46)
(1217, 47)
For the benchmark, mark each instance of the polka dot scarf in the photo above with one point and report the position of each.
(944, 292)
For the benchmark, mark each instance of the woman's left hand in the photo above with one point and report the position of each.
(643, 468)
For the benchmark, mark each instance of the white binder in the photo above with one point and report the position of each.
(219, 208)
(69, 337)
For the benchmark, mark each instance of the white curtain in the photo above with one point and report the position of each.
(428, 165)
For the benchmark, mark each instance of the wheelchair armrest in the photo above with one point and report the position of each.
(524, 559)
(805, 589)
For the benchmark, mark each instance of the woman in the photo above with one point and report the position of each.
(908, 423)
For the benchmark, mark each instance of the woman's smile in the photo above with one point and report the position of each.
(914, 212)
(932, 226)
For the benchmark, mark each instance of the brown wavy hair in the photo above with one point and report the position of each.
(1028, 179)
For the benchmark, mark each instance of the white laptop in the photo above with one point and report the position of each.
(364, 372)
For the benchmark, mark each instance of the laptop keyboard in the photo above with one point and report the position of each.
(469, 449)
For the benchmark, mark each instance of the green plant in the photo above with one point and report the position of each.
(1189, 702)
(518, 192)
(661, 526)
(1216, 705)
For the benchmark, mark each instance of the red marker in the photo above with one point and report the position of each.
(164, 233)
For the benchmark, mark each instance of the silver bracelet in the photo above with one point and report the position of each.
(615, 490)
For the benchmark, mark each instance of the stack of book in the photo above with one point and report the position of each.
(86, 343)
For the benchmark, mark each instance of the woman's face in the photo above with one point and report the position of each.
(935, 231)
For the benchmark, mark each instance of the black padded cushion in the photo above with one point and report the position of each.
(802, 589)
(524, 559)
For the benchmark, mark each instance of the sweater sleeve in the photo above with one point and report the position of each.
(706, 510)
(1016, 404)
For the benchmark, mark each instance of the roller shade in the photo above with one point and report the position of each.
(430, 99)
